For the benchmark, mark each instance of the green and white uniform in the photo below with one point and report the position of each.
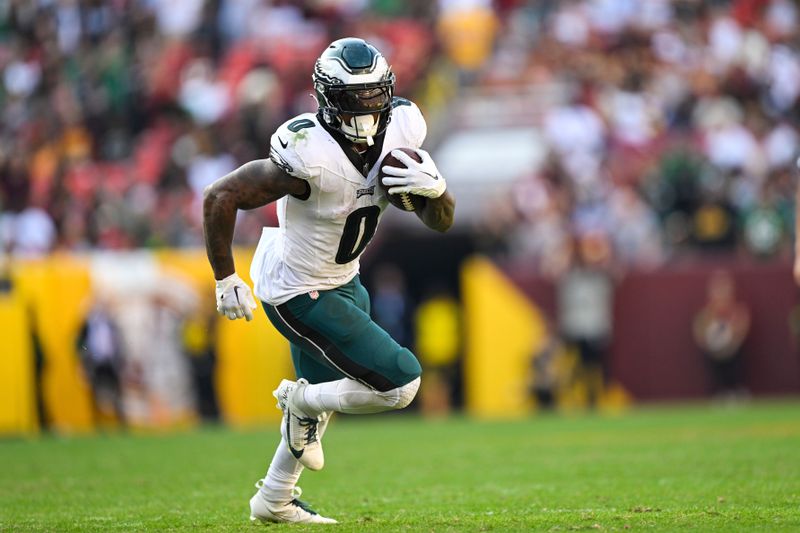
(305, 270)
(321, 237)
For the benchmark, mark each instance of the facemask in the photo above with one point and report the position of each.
(362, 128)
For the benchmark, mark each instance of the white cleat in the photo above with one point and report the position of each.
(300, 429)
(294, 511)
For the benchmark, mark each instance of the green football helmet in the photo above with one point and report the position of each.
(354, 86)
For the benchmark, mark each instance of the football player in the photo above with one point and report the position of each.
(323, 169)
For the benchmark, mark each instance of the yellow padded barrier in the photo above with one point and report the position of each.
(55, 291)
(252, 357)
(503, 330)
(17, 404)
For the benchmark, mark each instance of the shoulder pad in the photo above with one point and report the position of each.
(410, 121)
(291, 146)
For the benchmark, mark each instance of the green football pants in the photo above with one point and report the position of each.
(333, 337)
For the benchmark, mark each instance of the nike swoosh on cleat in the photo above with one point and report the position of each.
(297, 454)
(283, 144)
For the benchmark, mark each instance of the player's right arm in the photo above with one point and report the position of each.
(253, 185)
(250, 186)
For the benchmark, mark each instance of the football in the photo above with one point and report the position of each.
(404, 201)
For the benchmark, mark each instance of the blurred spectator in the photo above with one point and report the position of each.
(720, 330)
(390, 305)
(6, 285)
(101, 354)
(467, 28)
(148, 329)
(39, 366)
(763, 229)
(208, 164)
(28, 233)
(168, 375)
(199, 344)
(178, 18)
(575, 129)
(438, 333)
(634, 229)
(714, 224)
(585, 311)
(794, 323)
(547, 370)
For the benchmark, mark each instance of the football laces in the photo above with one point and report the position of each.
(405, 199)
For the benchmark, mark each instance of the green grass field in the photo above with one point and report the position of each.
(665, 469)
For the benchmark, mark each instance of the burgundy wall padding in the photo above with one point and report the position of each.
(653, 353)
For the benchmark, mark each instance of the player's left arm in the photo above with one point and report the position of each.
(423, 179)
(438, 213)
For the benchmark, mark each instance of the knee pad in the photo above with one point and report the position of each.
(401, 397)
(407, 393)
(406, 368)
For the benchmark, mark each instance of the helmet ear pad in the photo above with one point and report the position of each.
(328, 113)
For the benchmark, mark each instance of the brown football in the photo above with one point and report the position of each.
(404, 201)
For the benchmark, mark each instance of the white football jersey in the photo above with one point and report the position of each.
(321, 237)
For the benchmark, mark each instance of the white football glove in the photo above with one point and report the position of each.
(422, 178)
(234, 299)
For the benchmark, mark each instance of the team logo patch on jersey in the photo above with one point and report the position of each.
(364, 192)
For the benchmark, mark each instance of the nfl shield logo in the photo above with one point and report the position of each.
(313, 295)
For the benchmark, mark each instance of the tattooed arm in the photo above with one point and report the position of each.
(438, 212)
(252, 185)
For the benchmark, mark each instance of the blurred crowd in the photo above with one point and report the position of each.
(117, 113)
(670, 126)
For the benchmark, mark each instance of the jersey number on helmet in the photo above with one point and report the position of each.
(358, 230)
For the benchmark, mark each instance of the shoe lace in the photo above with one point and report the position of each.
(296, 493)
(310, 425)
(296, 501)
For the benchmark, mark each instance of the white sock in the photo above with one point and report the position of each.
(284, 471)
(283, 474)
(349, 396)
